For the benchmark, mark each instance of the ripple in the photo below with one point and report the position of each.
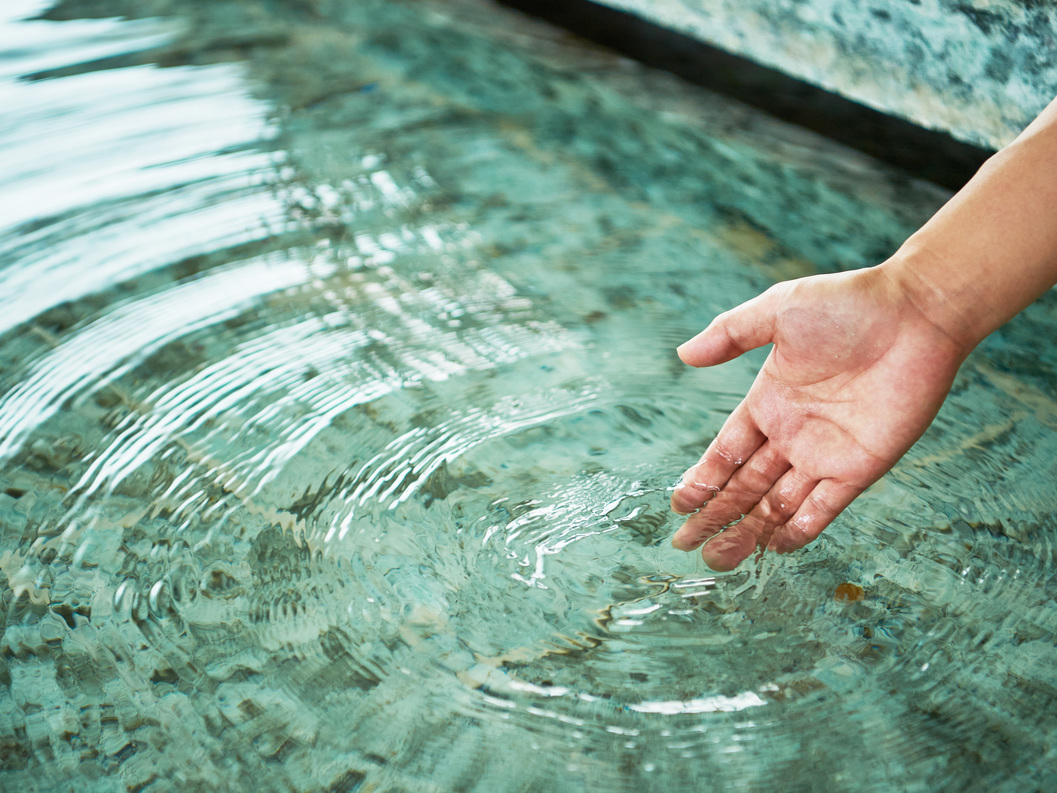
(32, 46)
(339, 419)
(108, 348)
(127, 191)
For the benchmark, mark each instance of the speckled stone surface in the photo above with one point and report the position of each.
(978, 69)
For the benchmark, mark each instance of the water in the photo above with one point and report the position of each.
(339, 412)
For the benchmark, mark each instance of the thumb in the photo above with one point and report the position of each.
(733, 332)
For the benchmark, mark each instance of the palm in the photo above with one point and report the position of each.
(853, 380)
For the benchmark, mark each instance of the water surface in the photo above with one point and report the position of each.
(339, 412)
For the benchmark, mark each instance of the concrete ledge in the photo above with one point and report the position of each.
(978, 69)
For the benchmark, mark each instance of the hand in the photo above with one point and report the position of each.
(856, 375)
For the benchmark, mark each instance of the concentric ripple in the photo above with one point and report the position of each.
(338, 421)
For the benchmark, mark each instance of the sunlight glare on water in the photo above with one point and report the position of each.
(339, 417)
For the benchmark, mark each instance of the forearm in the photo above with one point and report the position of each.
(992, 249)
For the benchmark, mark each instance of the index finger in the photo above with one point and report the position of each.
(738, 438)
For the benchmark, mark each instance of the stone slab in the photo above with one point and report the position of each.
(979, 70)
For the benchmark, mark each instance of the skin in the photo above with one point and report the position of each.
(863, 360)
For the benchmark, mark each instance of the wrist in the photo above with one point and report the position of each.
(944, 297)
(992, 249)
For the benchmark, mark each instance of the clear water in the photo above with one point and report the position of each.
(339, 412)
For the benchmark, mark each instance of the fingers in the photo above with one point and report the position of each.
(727, 550)
(733, 332)
(744, 491)
(828, 499)
(785, 518)
(736, 442)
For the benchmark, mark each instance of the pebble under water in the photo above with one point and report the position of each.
(339, 414)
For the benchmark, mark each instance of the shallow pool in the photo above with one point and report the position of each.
(339, 414)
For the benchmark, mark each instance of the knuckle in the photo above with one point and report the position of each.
(760, 473)
(690, 495)
(720, 448)
(816, 505)
(777, 509)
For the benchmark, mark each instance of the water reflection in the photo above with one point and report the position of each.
(337, 430)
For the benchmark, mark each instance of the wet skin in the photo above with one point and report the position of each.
(856, 375)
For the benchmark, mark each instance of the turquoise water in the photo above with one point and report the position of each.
(339, 414)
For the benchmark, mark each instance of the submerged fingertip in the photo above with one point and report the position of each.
(686, 539)
(721, 565)
(788, 538)
(727, 550)
(681, 544)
